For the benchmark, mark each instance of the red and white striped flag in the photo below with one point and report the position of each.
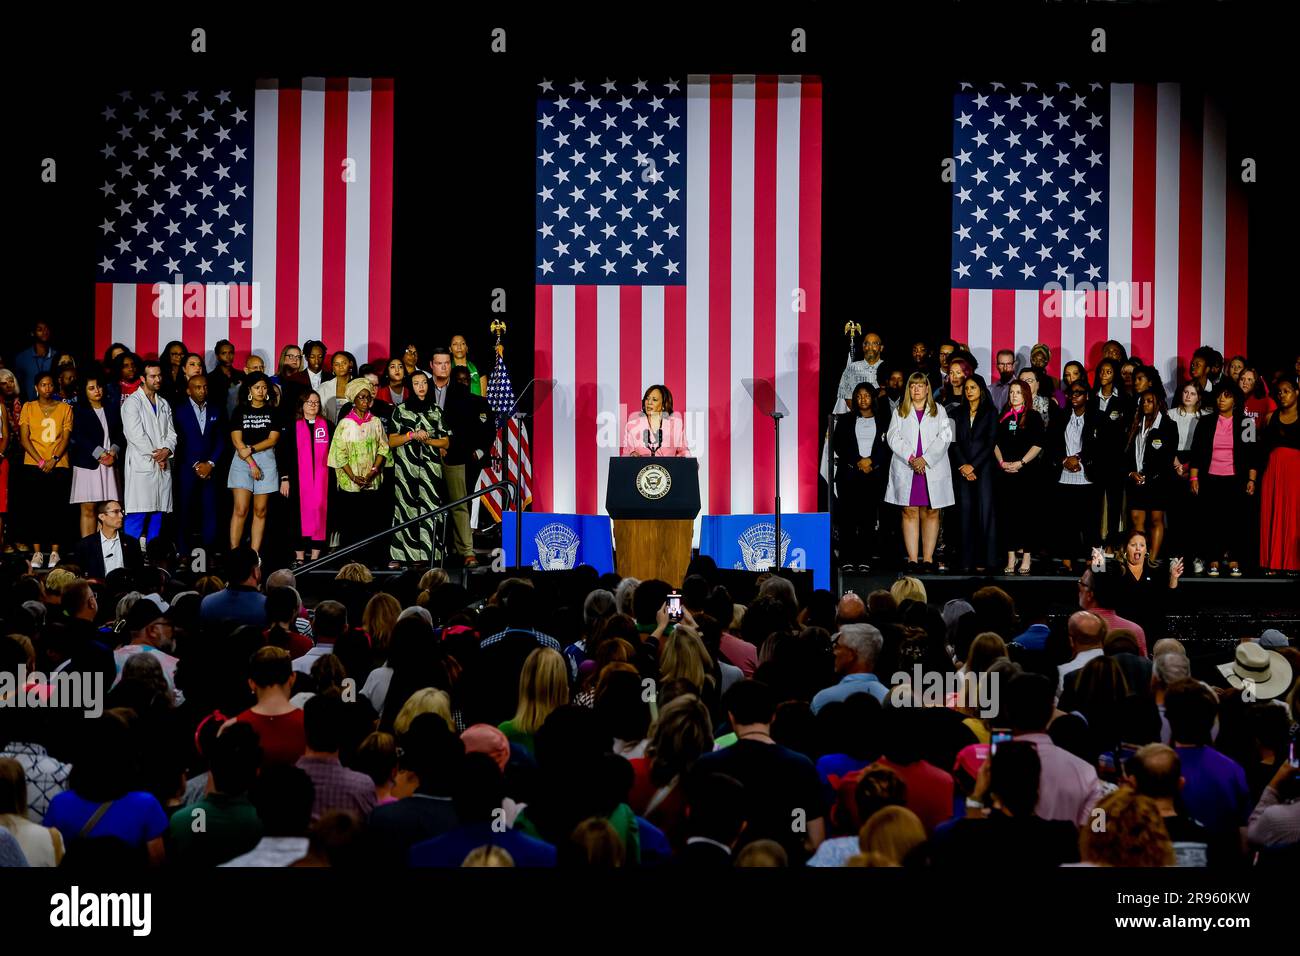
(687, 217)
(512, 462)
(1088, 211)
(259, 216)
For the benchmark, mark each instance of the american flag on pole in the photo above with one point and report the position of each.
(678, 241)
(1090, 211)
(501, 396)
(260, 216)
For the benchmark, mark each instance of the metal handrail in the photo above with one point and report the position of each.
(366, 542)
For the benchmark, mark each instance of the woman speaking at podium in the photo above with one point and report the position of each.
(656, 429)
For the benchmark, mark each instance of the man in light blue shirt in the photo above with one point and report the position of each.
(856, 646)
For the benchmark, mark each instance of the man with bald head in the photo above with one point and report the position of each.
(1087, 636)
(867, 369)
(856, 648)
(1156, 772)
(851, 610)
(254, 363)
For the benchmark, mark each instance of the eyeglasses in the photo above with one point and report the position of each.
(114, 512)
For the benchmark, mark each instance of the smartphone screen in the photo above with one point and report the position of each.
(674, 605)
(1000, 736)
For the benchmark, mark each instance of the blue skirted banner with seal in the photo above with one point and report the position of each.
(748, 543)
(555, 542)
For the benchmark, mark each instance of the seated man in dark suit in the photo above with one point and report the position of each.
(108, 548)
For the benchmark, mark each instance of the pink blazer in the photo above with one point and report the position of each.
(674, 436)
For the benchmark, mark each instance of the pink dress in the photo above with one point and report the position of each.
(313, 445)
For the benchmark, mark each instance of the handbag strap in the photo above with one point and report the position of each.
(95, 818)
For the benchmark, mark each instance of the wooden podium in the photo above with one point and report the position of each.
(653, 502)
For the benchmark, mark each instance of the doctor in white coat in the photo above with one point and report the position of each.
(920, 478)
(150, 443)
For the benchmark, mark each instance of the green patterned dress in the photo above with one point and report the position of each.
(417, 484)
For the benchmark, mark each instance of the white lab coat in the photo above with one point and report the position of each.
(936, 436)
(148, 487)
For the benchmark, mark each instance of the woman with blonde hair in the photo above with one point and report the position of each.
(43, 846)
(888, 837)
(490, 856)
(682, 656)
(427, 700)
(920, 477)
(354, 571)
(543, 687)
(908, 588)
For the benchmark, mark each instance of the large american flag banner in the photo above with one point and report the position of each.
(262, 216)
(678, 241)
(1090, 211)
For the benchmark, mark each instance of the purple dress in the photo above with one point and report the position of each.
(920, 490)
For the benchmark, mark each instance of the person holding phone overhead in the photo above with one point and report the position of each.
(656, 429)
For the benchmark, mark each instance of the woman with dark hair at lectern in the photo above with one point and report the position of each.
(656, 429)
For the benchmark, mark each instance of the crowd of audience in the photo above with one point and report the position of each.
(576, 724)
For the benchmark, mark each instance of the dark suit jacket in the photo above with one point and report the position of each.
(193, 446)
(1089, 454)
(1158, 459)
(972, 444)
(1244, 453)
(90, 556)
(1112, 429)
(472, 424)
(845, 440)
(87, 435)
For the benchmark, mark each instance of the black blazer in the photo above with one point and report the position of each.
(1112, 428)
(1244, 453)
(972, 444)
(845, 441)
(90, 556)
(1090, 454)
(286, 450)
(473, 427)
(87, 434)
(1162, 446)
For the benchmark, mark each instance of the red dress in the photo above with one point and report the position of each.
(11, 414)
(1279, 497)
